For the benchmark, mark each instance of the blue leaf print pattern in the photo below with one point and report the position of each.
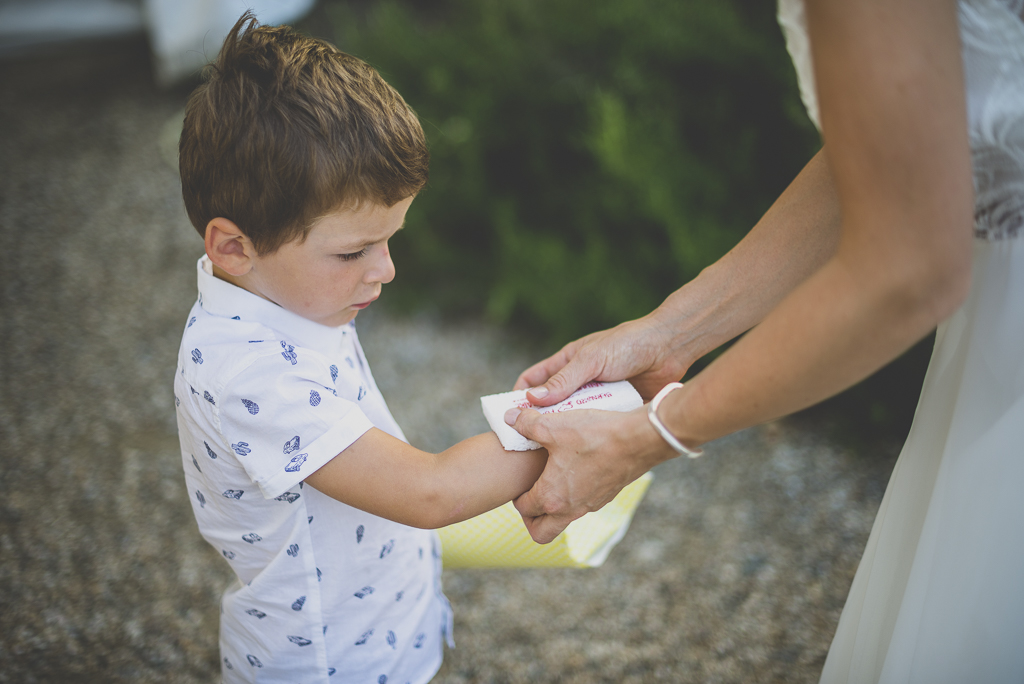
(258, 614)
(288, 353)
(193, 389)
(419, 640)
(359, 534)
(314, 398)
(299, 641)
(197, 356)
(309, 520)
(296, 463)
(386, 549)
(398, 596)
(293, 550)
(362, 393)
(230, 555)
(383, 679)
(196, 463)
(291, 445)
(190, 322)
(318, 574)
(325, 629)
(201, 498)
(177, 401)
(233, 493)
(209, 451)
(364, 592)
(366, 635)
(298, 603)
(330, 671)
(209, 397)
(392, 640)
(290, 497)
(334, 373)
(236, 318)
(348, 360)
(227, 663)
(252, 538)
(241, 448)
(253, 660)
(251, 406)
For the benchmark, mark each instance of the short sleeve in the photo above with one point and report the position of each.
(283, 419)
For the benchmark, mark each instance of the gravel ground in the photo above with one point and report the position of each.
(734, 570)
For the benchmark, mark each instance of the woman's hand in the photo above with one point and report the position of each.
(640, 351)
(586, 467)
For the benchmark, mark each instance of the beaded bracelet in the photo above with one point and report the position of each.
(652, 414)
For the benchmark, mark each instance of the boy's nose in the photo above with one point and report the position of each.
(383, 270)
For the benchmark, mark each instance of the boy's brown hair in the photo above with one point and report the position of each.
(287, 128)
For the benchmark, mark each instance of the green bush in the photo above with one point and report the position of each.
(587, 157)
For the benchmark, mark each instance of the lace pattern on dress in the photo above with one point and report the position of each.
(992, 38)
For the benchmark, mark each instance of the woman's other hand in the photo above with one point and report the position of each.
(643, 351)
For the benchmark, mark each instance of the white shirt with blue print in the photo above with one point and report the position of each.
(325, 592)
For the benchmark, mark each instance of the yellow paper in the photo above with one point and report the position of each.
(499, 539)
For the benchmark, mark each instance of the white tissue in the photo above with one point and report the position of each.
(606, 396)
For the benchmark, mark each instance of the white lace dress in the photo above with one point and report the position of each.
(939, 593)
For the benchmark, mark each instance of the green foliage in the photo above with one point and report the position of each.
(588, 157)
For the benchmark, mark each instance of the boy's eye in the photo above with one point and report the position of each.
(353, 255)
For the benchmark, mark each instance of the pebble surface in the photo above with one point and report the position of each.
(734, 570)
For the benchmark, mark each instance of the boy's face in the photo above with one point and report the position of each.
(337, 270)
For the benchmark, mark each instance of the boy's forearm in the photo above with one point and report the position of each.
(389, 478)
(477, 474)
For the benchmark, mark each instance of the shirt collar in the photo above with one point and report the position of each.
(221, 298)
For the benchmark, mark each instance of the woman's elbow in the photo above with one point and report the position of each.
(950, 283)
(939, 284)
(958, 289)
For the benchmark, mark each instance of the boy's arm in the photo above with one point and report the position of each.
(385, 476)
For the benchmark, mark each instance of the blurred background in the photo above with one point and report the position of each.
(588, 157)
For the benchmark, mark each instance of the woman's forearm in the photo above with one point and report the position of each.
(835, 329)
(797, 234)
(794, 237)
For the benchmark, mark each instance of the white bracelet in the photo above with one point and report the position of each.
(652, 414)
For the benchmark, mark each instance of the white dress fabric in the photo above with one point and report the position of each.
(939, 593)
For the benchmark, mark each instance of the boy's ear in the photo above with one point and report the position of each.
(228, 247)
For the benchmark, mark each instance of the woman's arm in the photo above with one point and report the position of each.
(385, 476)
(891, 90)
(797, 234)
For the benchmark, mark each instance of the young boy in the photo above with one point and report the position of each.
(298, 164)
